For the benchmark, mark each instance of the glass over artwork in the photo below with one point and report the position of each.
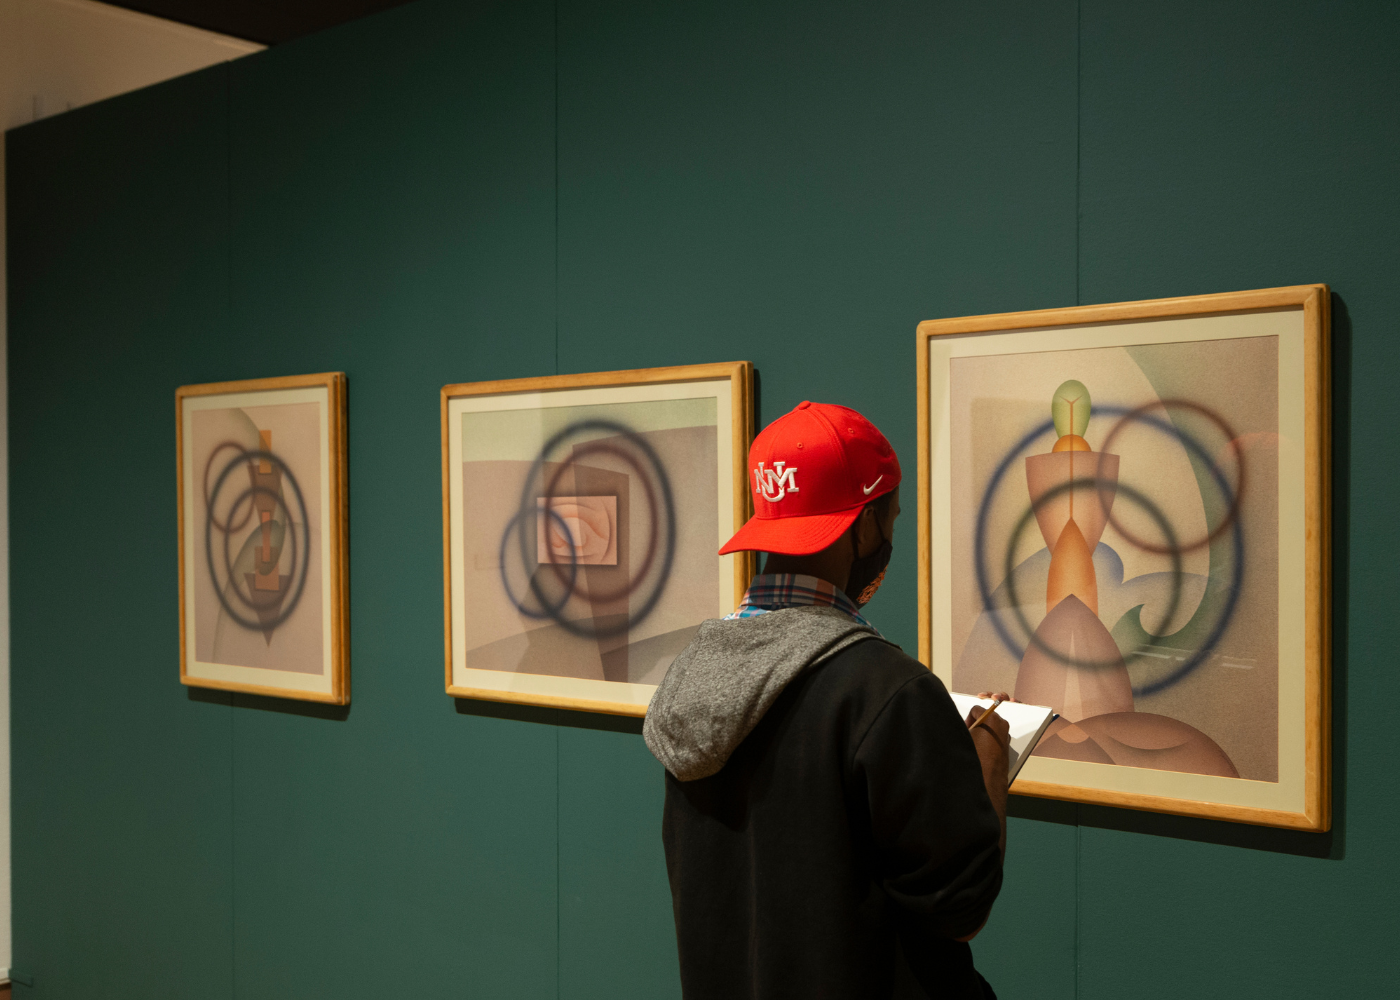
(1125, 515)
(584, 528)
(1116, 541)
(587, 536)
(257, 530)
(261, 534)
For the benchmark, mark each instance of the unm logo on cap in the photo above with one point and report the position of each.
(775, 483)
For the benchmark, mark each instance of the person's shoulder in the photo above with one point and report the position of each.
(872, 680)
(876, 667)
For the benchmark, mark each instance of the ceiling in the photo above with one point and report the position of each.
(265, 21)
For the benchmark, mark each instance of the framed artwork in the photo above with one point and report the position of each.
(263, 564)
(1124, 514)
(581, 520)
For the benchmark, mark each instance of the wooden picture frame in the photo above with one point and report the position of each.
(545, 482)
(980, 379)
(263, 536)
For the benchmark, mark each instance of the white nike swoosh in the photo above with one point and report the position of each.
(872, 485)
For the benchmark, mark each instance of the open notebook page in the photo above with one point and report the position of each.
(1026, 722)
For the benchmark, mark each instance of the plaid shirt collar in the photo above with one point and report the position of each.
(771, 591)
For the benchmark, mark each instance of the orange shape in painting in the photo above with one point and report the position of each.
(1071, 442)
(1095, 477)
(1072, 570)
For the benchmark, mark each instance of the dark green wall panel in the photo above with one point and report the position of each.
(392, 207)
(121, 798)
(454, 192)
(1028, 948)
(1237, 146)
(616, 937)
(378, 199)
(798, 184)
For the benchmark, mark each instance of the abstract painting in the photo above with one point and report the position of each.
(1124, 519)
(262, 536)
(582, 517)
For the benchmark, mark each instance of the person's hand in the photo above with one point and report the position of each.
(996, 725)
(994, 753)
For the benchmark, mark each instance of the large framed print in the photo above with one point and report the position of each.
(262, 528)
(1124, 514)
(582, 518)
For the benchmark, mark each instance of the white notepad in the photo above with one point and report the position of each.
(1026, 722)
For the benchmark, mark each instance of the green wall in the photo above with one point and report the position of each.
(448, 192)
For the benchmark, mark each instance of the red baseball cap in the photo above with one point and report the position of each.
(812, 471)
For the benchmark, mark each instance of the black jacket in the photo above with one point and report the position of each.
(842, 848)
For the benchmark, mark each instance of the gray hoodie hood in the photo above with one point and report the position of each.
(721, 685)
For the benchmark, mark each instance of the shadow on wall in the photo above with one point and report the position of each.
(287, 706)
(549, 716)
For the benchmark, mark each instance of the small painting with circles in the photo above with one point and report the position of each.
(582, 517)
(1125, 514)
(262, 550)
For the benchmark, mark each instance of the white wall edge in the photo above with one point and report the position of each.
(158, 25)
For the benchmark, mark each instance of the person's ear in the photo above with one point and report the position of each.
(867, 531)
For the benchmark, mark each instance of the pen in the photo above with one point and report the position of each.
(983, 717)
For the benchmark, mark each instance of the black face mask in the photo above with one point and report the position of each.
(868, 572)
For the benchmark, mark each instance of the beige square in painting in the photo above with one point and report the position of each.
(579, 527)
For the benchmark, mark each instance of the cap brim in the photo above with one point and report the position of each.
(790, 536)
